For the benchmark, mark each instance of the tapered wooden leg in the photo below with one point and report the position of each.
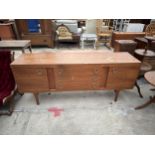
(30, 49)
(36, 97)
(23, 50)
(138, 88)
(146, 104)
(116, 95)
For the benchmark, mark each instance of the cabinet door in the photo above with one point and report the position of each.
(122, 77)
(28, 79)
(75, 77)
(79, 77)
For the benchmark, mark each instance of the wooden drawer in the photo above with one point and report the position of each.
(122, 77)
(39, 39)
(31, 79)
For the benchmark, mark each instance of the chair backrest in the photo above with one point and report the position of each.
(71, 24)
(63, 32)
(106, 22)
(91, 26)
(150, 29)
(102, 28)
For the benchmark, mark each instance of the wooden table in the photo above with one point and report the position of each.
(150, 77)
(79, 70)
(16, 44)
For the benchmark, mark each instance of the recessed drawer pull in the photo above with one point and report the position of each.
(95, 71)
(115, 70)
(39, 72)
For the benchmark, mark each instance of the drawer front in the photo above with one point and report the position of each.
(79, 77)
(31, 79)
(122, 77)
(39, 40)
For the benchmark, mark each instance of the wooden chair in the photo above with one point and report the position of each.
(7, 83)
(104, 33)
(143, 42)
(150, 30)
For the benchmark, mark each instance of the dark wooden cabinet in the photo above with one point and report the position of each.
(44, 36)
(8, 31)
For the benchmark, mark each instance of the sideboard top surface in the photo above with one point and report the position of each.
(77, 57)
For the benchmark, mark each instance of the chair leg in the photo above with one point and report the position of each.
(138, 88)
(146, 104)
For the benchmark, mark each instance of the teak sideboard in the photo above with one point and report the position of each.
(66, 70)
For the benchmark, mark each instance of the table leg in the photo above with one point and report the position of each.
(30, 49)
(146, 104)
(23, 50)
(36, 98)
(116, 95)
(82, 44)
(95, 44)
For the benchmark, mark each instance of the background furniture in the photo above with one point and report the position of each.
(72, 25)
(89, 34)
(63, 34)
(133, 27)
(16, 44)
(146, 54)
(118, 24)
(41, 33)
(150, 29)
(143, 41)
(7, 82)
(125, 36)
(125, 46)
(8, 31)
(66, 70)
(104, 32)
(150, 77)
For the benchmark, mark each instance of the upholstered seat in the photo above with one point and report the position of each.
(7, 82)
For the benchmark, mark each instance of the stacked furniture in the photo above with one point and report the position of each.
(125, 45)
(125, 36)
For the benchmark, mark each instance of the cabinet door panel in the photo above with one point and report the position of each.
(76, 77)
(80, 77)
(122, 77)
(31, 79)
